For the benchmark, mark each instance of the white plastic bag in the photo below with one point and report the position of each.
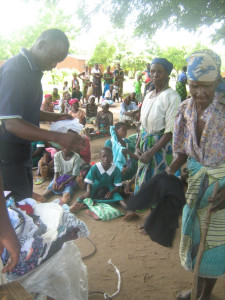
(64, 125)
(62, 277)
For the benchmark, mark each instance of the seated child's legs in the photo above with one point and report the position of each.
(65, 198)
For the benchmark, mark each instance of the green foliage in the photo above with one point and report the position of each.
(150, 15)
(131, 62)
(48, 17)
(103, 53)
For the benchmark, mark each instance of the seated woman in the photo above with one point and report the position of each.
(104, 120)
(66, 170)
(104, 178)
(47, 104)
(123, 151)
(157, 118)
(91, 110)
(76, 112)
(127, 110)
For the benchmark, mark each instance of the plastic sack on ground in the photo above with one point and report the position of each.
(62, 277)
(64, 125)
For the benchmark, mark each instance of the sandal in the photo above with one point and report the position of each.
(39, 181)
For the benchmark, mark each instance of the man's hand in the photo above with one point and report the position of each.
(71, 141)
(60, 117)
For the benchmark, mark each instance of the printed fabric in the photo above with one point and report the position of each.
(200, 187)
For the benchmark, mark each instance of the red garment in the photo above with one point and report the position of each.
(27, 208)
(85, 153)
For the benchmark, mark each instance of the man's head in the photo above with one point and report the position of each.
(50, 48)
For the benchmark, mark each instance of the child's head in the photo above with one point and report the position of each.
(65, 83)
(77, 88)
(74, 103)
(66, 95)
(121, 129)
(106, 157)
(66, 152)
(116, 83)
(48, 97)
(74, 75)
(111, 87)
(91, 99)
(105, 107)
(55, 91)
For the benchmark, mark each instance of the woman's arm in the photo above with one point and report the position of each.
(177, 163)
(146, 156)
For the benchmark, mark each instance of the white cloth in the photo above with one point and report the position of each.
(159, 112)
(64, 125)
(110, 95)
(69, 167)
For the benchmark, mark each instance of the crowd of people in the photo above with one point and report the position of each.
(173, 128)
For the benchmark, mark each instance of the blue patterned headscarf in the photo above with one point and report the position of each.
(164, 62)
(205, 65)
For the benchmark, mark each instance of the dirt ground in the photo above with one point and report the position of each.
(148, 270)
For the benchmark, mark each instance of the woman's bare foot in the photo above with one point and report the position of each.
(131, 215)
(77, 207)
(142, 229)
(183, 295)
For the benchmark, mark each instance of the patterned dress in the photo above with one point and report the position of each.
(206, 165)
(157, 118)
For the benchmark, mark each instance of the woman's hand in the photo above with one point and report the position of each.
(138, 152)
(146, 157)
(218, 201)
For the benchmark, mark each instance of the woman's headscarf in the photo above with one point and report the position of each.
(204, 65)
(72, 101)
(164, 62)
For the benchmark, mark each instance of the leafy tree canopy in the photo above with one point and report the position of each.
(150, 15)
(48, 17)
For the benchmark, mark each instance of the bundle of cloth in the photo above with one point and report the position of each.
(42, 229)
(165, 195)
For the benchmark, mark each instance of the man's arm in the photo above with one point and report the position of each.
(28, 131)
(53, 117)
(8, 238)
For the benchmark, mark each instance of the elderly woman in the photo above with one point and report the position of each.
(199, 139)
(157, 117)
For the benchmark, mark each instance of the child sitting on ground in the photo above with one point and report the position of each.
(76, 112)
(91, 110)
(66, 170)
(103, 183)
(103, 121)
(123, 151)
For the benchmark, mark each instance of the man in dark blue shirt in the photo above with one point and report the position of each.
(20, 102)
